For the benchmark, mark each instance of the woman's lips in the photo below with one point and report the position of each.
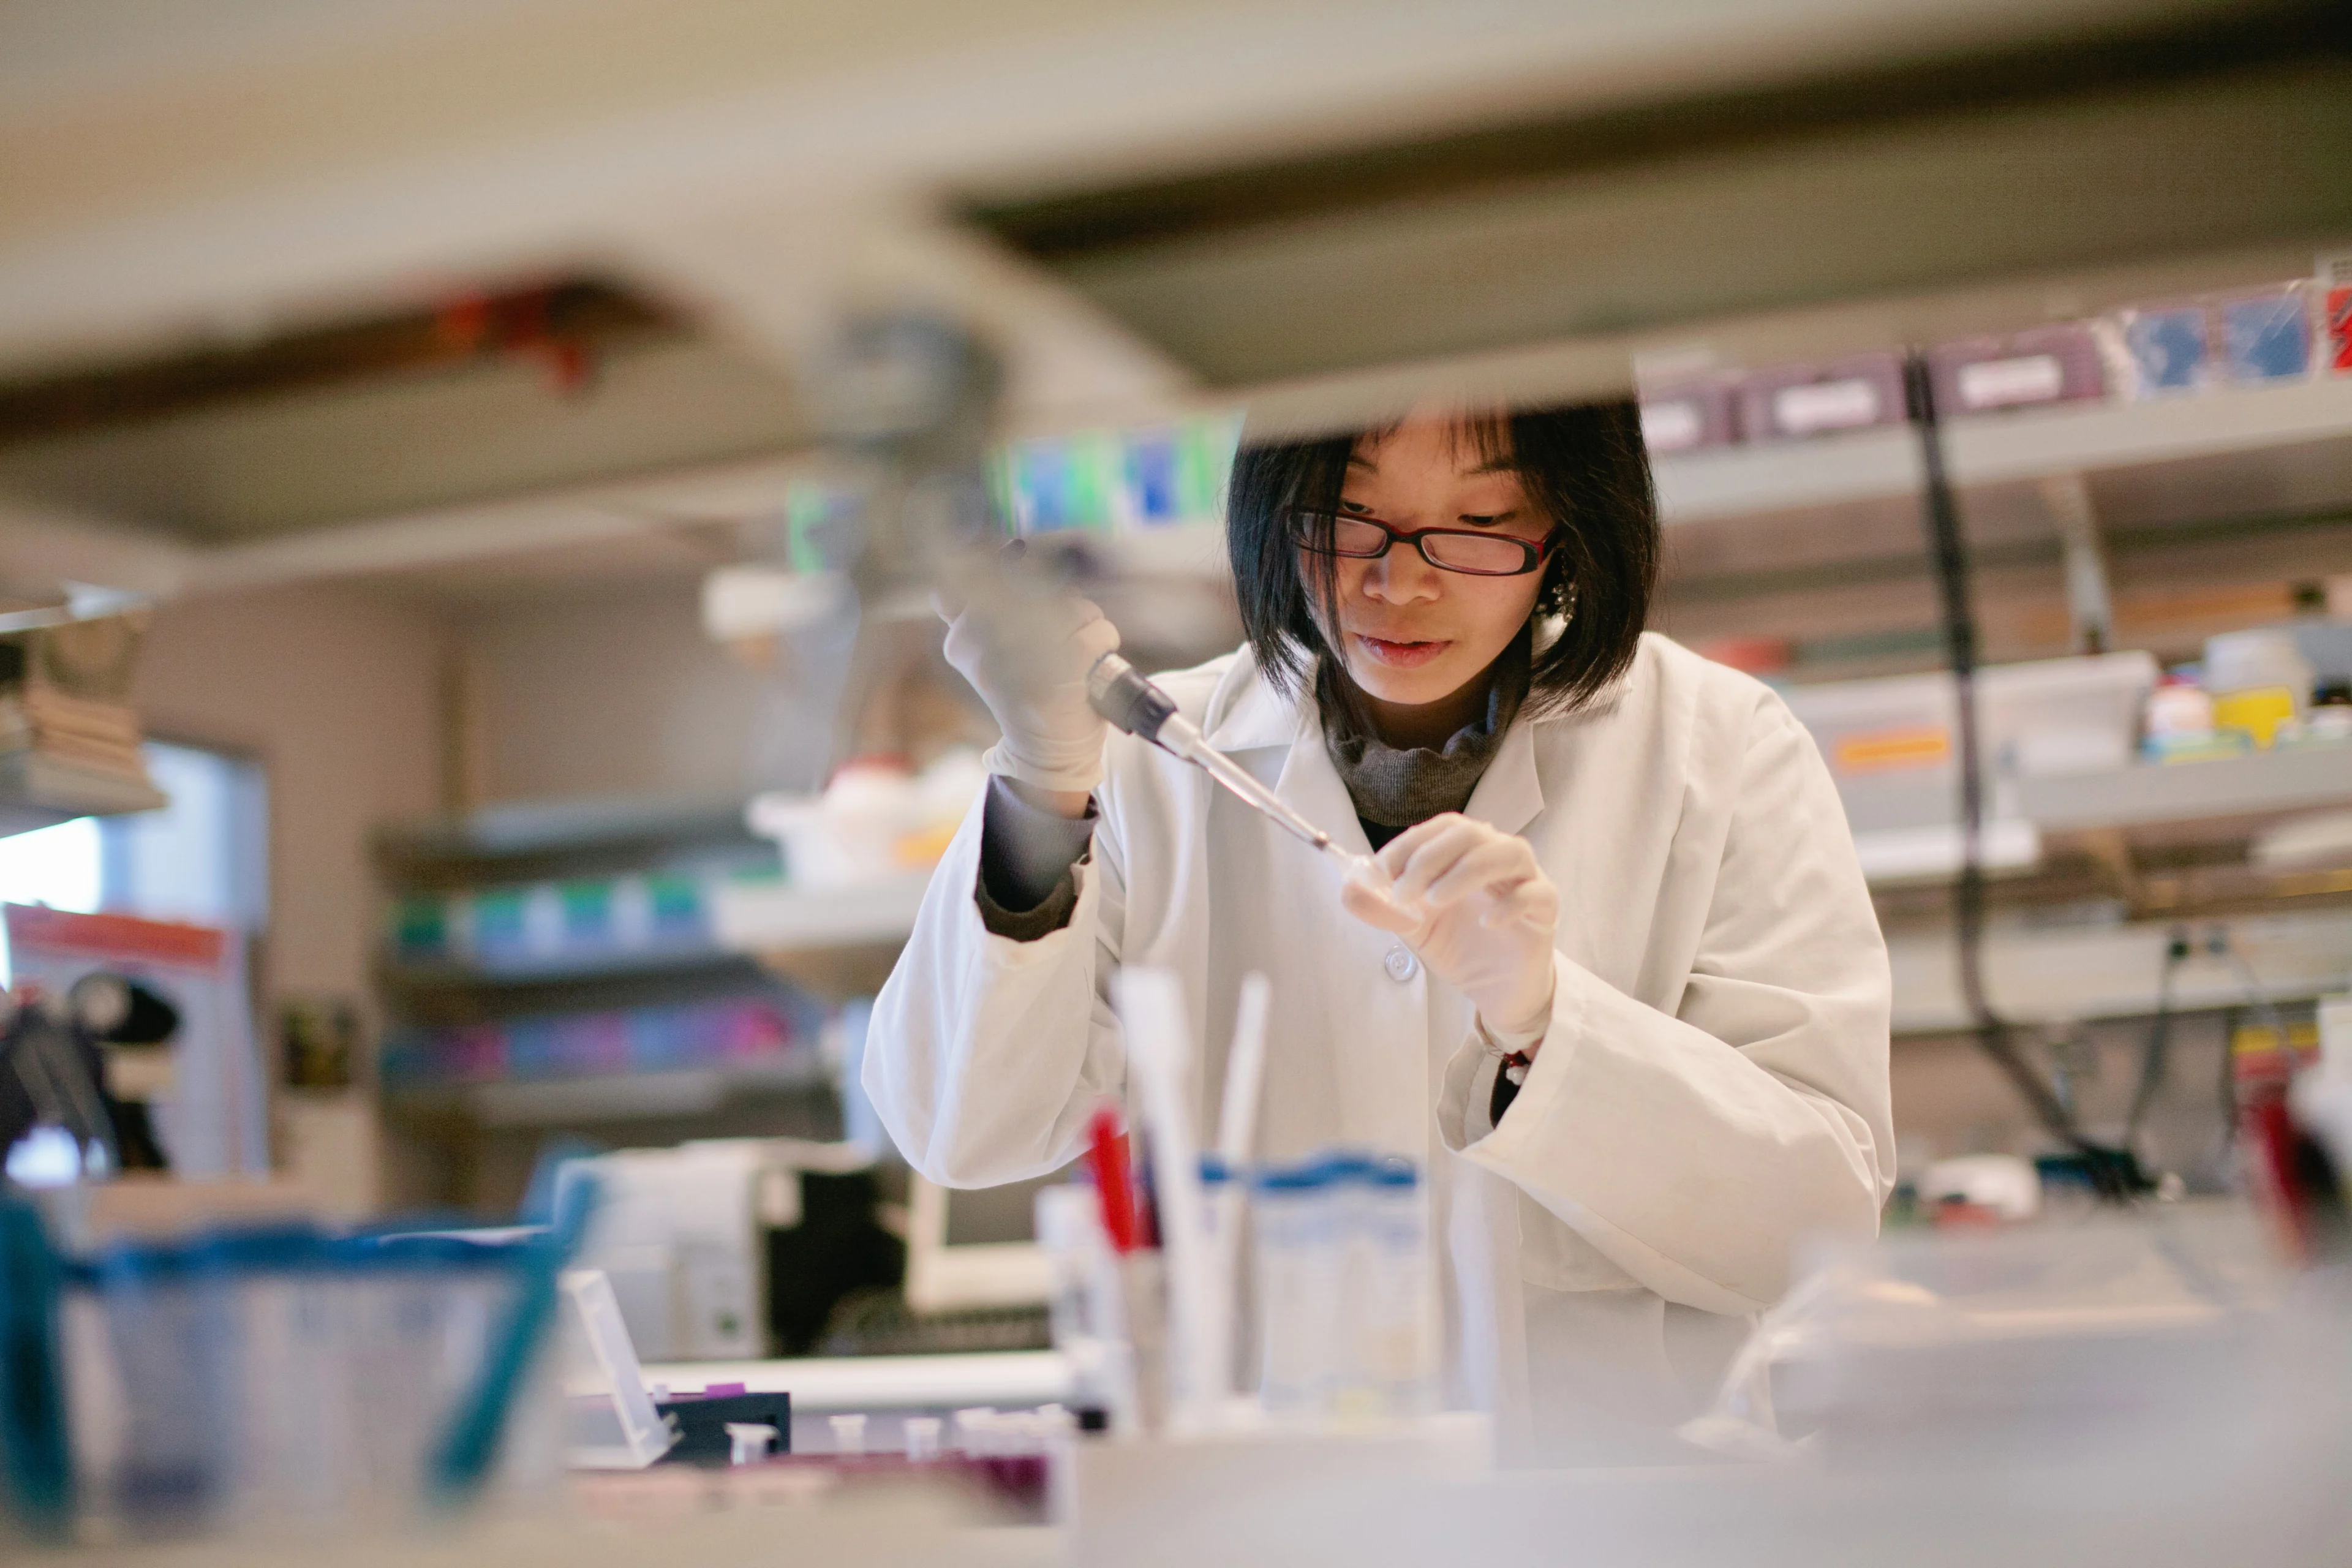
(1399, 654)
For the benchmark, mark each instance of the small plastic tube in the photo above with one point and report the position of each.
(923, 1437)
(1300, 1289)
(1237, 1136)
(1159, 1054)
(1244, 1071)
(749, 1442)
(1394, 1351)
(848, 1434)
(1366, 872)
(976, 1429)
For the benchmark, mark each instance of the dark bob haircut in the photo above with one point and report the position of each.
(1583, 465)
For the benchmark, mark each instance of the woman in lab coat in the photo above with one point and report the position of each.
(1635, 1025)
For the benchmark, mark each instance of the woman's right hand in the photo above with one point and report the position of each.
(1474, 903)
(1033, 679)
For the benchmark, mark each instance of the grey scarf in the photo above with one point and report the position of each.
(1394, 788)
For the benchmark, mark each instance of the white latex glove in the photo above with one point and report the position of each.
(1473, 903)
(1036, 686)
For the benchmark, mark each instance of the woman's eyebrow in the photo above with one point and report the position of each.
(1358, 460)
(1492, 465)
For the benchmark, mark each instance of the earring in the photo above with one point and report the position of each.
(1557, 599)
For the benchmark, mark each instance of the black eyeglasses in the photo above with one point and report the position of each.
(1477, 554)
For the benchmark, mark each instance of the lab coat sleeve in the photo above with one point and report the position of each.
(986, 1056)
(1695, 1150)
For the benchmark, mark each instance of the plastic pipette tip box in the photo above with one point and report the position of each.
(703, 1420)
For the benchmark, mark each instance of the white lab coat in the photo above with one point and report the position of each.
(1711, 1089)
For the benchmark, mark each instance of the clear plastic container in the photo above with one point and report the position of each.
(232, 1378)
(298, 1450)
(169, 1333)
(2260, 681)
(1792, 402)
(1393, 1361)
(2248, 660)
(421, 1313)
(1689, 418)
(2267, 337)
(2119, 1339)
(275, 1381)
(2058, 364)
(2167, 349)
(1086, 1312)
(1300, 1223)
(2180, 708)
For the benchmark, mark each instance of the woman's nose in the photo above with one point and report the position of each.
(1401, 576)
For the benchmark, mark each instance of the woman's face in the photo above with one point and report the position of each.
(1409, 633)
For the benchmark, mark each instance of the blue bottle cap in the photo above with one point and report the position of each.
(1304, 1177)
(1345, 1164)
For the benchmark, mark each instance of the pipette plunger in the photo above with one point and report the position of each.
(1120, 694)
(1124, 696)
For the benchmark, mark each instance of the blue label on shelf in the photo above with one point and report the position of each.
(500, 926)
(2168, 347)
(2267, 339)
(535, 1048)
(420, 927)
(673, 908)
(1152, 477)
(587, 913)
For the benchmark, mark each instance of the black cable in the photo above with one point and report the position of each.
(2226, 1091)
(2156, 1056)
(2113, 1172)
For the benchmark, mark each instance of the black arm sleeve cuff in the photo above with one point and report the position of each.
(1027, 885)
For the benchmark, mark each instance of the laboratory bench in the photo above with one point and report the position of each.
(2082, 1393)
(1368, 1504)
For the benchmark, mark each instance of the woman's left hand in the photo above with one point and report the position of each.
(1471, 902)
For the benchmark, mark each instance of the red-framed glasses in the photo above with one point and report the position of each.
(1476, 552)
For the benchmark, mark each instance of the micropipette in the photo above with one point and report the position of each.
(1120, 694)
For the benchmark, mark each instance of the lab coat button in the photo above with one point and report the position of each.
(1401, 964)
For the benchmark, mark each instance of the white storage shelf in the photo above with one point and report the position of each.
(2287, 780)
(2079, 437)
(1988, 449)
(2035, 975)
(613, 1097)
(2141, 793)
(2055, 975)
(1784, 476)
(547, 969)
(38, 792)
(1883, 464)
(776, 917)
